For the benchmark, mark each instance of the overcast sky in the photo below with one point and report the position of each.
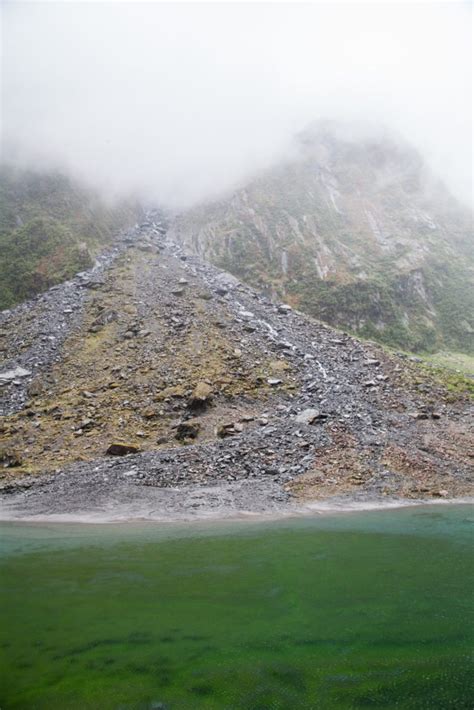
(180, 101)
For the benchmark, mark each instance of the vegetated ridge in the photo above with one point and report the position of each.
(355, 231)
(51, 227)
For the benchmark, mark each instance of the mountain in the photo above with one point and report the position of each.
(50, 228)
(354, 230)
(157, 385)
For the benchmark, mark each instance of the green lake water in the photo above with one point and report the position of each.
(359, 610)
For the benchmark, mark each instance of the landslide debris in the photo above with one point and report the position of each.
(140, 365)
(167, 373)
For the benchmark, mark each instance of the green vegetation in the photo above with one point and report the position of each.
(451, 284)
(387, 307)
(365, 245)
(453, 371)
(369, 309)
(455, 383)
(459, 362)
(50, 228)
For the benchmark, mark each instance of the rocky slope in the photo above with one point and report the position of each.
(158, 385)
(51, 227)
(355, 231)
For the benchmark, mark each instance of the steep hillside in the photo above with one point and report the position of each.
(354, 231)
(50, 228)
(157, 385)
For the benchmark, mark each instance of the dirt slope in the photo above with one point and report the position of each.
(228, 399)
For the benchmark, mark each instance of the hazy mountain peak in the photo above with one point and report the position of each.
(353, 229)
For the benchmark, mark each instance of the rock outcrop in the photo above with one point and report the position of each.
(354, 231)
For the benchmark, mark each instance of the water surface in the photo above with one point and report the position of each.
(361, 610)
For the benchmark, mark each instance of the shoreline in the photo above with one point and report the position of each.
(311, 509)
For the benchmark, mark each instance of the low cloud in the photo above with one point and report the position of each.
(179, 102)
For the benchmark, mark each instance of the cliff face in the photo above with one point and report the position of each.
(353, 231)
(51, 227)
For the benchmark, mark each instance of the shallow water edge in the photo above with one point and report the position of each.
(339, 612)
(123, 514)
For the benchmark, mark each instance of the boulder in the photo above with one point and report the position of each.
(87, 423)
(149, 413)
(119, 448)
(35, 388)
(201, 395)
(246, 315)
(419, 415)
(102, 320)
(227, 281)
(279, 365)
(308, 416)
(10, 458)
(188, 429)
(13, 374)
(145, 246)
(229, 429)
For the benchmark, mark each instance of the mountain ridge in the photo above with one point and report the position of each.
(356, 233)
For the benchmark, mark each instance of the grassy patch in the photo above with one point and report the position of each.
(461, 363)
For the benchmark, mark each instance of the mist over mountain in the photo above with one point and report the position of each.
(362, 221)
(182, 102)
(355, 230)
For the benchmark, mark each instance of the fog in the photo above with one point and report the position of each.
(179, 102)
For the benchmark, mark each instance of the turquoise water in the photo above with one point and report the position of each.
(361, 610)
